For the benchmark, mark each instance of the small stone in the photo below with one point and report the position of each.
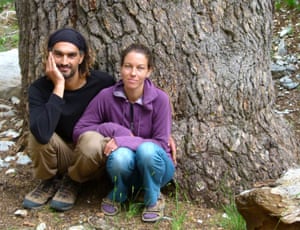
(285, 111)
(291, 68)
(41, 226)
(98, 223)
(167, 218)
(4, 145)
(10, 171)
(291, 85)
(225, 215)
(199, 221)
(23, 160)
(21, 212)
(19, 124)
(15, 100)
(9, 158)
(3, 164)
(282, 48)
(286, 30)
(285, 79)
(10, 133)
(78, 227)
(6, 111)
(277, 70)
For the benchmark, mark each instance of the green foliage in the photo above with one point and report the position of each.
(9, 41)
(232, 220)
(179, 215)
(9, 31)
(134, 209)
(290, 4)
(135, 203)
(6, 4)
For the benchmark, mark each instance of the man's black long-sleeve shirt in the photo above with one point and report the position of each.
(48, 113)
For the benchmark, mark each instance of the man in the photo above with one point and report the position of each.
(56, 102)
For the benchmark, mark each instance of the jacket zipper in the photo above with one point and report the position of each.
(131, 118)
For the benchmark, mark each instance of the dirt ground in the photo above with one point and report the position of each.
(179, 212)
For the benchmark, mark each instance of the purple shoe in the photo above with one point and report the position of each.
(110, 208)
(155, 212)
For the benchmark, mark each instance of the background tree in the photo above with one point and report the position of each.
(213, 59)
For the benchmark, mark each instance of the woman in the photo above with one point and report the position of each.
(137, 117)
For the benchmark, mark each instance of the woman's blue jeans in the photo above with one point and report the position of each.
(148, 168)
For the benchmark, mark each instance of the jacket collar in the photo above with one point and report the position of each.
(148, 96)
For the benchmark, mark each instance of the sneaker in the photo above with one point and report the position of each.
(66, 195)
(41, 194)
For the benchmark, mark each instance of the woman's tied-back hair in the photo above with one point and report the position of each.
(72, 36)
(139, 48)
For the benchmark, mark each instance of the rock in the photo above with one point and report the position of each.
(272, 205)
(41, 226)
(5, 145)
(282, 48)
(285, 79)
(10, 171)
(277, 70)
(3, 164)
(77, 227)
(15, 100)
(9, 158)
(291, 85)
(7, 17)
(23, 159)
(6, 111)
(286, 30)
(10, 76)
(288, 83)
(10, 133)
(98, 222)
(21, 212)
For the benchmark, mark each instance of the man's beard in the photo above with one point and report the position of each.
(69, 75)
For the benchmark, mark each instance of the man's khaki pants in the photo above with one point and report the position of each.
(82, 162)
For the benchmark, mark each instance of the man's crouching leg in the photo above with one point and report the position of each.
(90, 160)
(50, 162)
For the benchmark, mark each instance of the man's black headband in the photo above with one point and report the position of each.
(68, 35)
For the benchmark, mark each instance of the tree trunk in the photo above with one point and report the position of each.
(213, 59)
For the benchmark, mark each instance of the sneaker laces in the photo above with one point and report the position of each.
(68, 187)
(44, 187)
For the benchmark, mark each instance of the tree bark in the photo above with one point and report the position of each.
(213, 59)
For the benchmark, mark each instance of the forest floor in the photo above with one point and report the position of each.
(179, 214)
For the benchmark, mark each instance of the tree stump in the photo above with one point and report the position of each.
(272, 204)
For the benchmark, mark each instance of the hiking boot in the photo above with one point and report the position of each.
(41, 194)
(66, 195)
